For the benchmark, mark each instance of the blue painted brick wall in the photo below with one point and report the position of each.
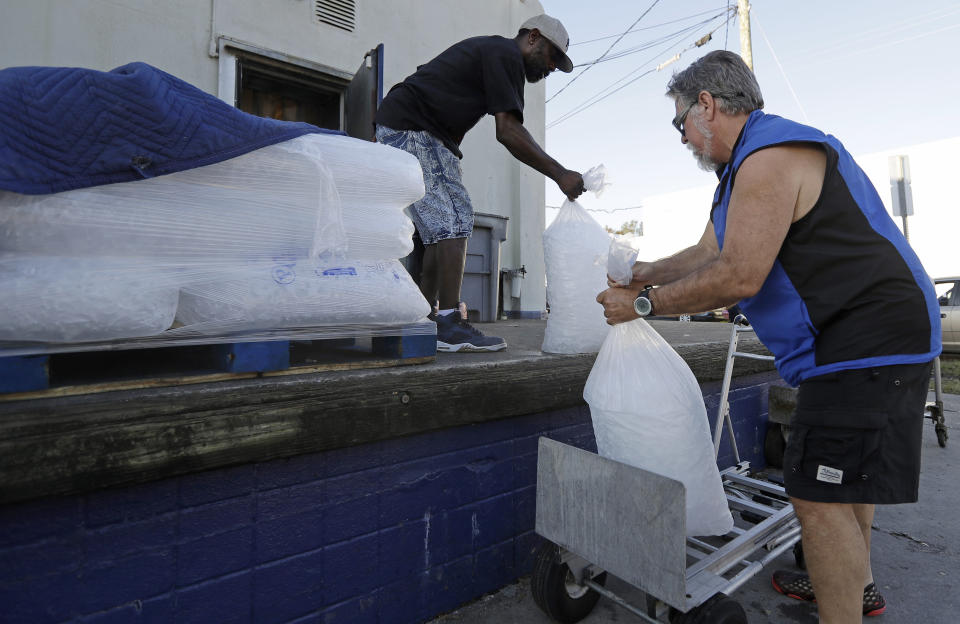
(392, 532)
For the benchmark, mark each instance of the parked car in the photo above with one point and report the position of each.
(948, 294)
(721, 315)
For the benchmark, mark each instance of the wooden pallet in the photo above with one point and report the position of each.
(62, 374)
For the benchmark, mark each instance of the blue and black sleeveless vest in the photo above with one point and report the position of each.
(846, 290)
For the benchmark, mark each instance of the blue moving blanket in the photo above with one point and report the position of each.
(64, 128)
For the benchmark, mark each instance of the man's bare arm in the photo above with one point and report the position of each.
(680, 264)
(764, 203)
(517, 140)
(766, 200)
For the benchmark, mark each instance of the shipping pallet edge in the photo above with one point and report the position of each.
(30, 376)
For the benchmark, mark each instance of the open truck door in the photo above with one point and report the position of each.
(363, 96)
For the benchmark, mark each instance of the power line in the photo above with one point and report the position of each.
(610, 211)
(883, 32)
(899, 41)
(671, 41)
(646, 46)
(682, 19)
(599, 98)
(726, 34)
(782, 72)
(587, 68)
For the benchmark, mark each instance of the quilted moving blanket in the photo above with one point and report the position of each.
(64, 128)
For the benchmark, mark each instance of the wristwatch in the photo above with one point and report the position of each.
(643, 305)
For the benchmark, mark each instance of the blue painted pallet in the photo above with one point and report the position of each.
(28, 373)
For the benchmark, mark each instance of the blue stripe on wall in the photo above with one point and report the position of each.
(391, 532)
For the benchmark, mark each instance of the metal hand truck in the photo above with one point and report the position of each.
(935, 407)
(602, 516)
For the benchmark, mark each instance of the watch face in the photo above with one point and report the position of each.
(641, 305)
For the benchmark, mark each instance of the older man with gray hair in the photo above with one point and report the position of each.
(800, 238)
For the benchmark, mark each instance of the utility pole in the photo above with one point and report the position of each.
(746, 49)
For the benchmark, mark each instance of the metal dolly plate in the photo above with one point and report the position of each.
(605, 516)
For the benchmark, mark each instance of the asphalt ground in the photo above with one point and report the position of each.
(915, 553)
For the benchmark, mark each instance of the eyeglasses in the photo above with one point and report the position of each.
(681, 118)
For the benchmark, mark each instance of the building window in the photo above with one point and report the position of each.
(277, 90)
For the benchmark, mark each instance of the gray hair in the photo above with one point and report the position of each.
(725, 76)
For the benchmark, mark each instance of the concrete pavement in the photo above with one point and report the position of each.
(916, 560)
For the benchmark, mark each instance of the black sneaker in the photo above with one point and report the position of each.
(454, 334)
(798, 586)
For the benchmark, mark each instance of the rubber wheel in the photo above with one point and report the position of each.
(942, 435)
(774, 446)
(555, 591)
(717, 610)
(798, 556)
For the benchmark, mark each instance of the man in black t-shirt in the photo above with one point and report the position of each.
(428, 115)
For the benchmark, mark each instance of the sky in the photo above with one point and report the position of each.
(877, 74)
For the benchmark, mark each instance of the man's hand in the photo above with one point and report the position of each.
(640, 280)
(618, 305)
(571, 183)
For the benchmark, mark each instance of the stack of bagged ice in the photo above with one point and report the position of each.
(304, 233)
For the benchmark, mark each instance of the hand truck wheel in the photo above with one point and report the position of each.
(556, 591)
(939, 425)
(717, 610)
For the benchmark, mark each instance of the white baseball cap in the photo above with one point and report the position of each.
(554, 32)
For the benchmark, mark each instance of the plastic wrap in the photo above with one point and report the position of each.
(63, 299)
(278, 200)
(377, 234)
(575, 250)
(648, 411)
(595, 180)
(621, 259)
(375, 183)
(299, 294)
(221, 234)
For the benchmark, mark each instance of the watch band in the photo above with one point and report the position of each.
(644, 310)
(646, 294)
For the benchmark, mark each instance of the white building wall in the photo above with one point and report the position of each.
(935, 223)
(185, 37)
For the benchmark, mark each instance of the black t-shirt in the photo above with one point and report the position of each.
(448, 95)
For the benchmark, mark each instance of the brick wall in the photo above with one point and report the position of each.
(391, 532)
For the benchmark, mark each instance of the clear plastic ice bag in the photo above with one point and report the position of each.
(302, 294)
(63, 299)
(621, 259)
(574, 249)
(648, 412)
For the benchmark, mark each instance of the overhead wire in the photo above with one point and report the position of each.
(608, 211)
(796, 99)
(726, 34)
(855, 43)
(888, 44)
(587, 68)
(646, 46)
(607, 92)
(654, 26)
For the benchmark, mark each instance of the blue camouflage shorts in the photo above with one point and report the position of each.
(445, 211)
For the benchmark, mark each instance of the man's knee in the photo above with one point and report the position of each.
(813, 512)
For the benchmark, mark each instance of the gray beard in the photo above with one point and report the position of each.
(703, 161)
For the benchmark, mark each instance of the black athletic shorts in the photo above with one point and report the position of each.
(856, 436)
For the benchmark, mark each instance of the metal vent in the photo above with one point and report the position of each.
(337, 13)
